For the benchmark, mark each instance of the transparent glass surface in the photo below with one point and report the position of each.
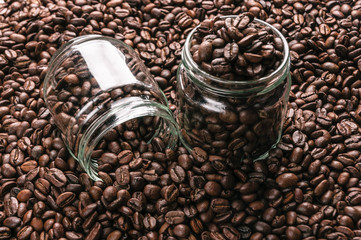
(232, 119)
(96, 84)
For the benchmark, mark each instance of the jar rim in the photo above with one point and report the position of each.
(190, 63)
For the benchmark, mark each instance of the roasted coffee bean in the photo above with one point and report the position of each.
(231, 51)
(181, 230)
(177, 174)
(293, 233)
(175, 217)
(5, 232)
(205, 51)
(287, 180)
(55, 177)
(24, 233)
(65, 199)
(219, 205)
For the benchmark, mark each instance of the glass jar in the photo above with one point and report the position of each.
(232, 119)
(98, 86)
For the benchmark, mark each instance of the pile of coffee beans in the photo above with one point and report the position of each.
(309, 187)
(237, 48)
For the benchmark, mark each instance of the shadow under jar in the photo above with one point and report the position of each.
(99, 92)
(235, 119)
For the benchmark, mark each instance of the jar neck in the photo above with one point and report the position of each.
(230, 88)
(125, 110)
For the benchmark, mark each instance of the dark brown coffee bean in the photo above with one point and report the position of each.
(293, 233)
(220, 66)
(177, 174)
(199, 155)
(181, 230)
(219, 205)
(125, 157)
(95, 232)
(174, 217)
(231, 51)
(24, 233)
(213, 188)
(12, 222)
(243, 20)
(115, 235)
(205, 51)
(65, 199)
(55, 177)
(287, 180)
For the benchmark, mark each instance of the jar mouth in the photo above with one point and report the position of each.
(193, 66)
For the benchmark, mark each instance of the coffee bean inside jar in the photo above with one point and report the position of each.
(233, 87)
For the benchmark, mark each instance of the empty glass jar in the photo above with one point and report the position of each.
(98, 88)
(230, 118)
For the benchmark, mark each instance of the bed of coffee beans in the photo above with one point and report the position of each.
(309, 188)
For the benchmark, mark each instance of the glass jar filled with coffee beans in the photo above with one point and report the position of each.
(233, 87)
(101, 95)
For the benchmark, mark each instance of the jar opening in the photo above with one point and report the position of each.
(228, 87)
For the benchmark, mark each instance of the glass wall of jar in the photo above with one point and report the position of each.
(230, 118)
(99, 91)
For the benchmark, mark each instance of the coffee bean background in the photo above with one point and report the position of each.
(309, 187)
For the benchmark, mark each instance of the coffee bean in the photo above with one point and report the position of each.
(181, 230)
(177, 174)
(12, 222)
(293, 233)
(174, 217)
(170, 193)
(125, 157)
(95, 232)
(65, 199)
(5, 232)
(205, 51)
(24, 233)
(213, 188)
(115, 235)
(287, 180)
(55, 177)
(219, 205)
(230, 52)
(220, 66)
(199, 154)
(24, 195)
